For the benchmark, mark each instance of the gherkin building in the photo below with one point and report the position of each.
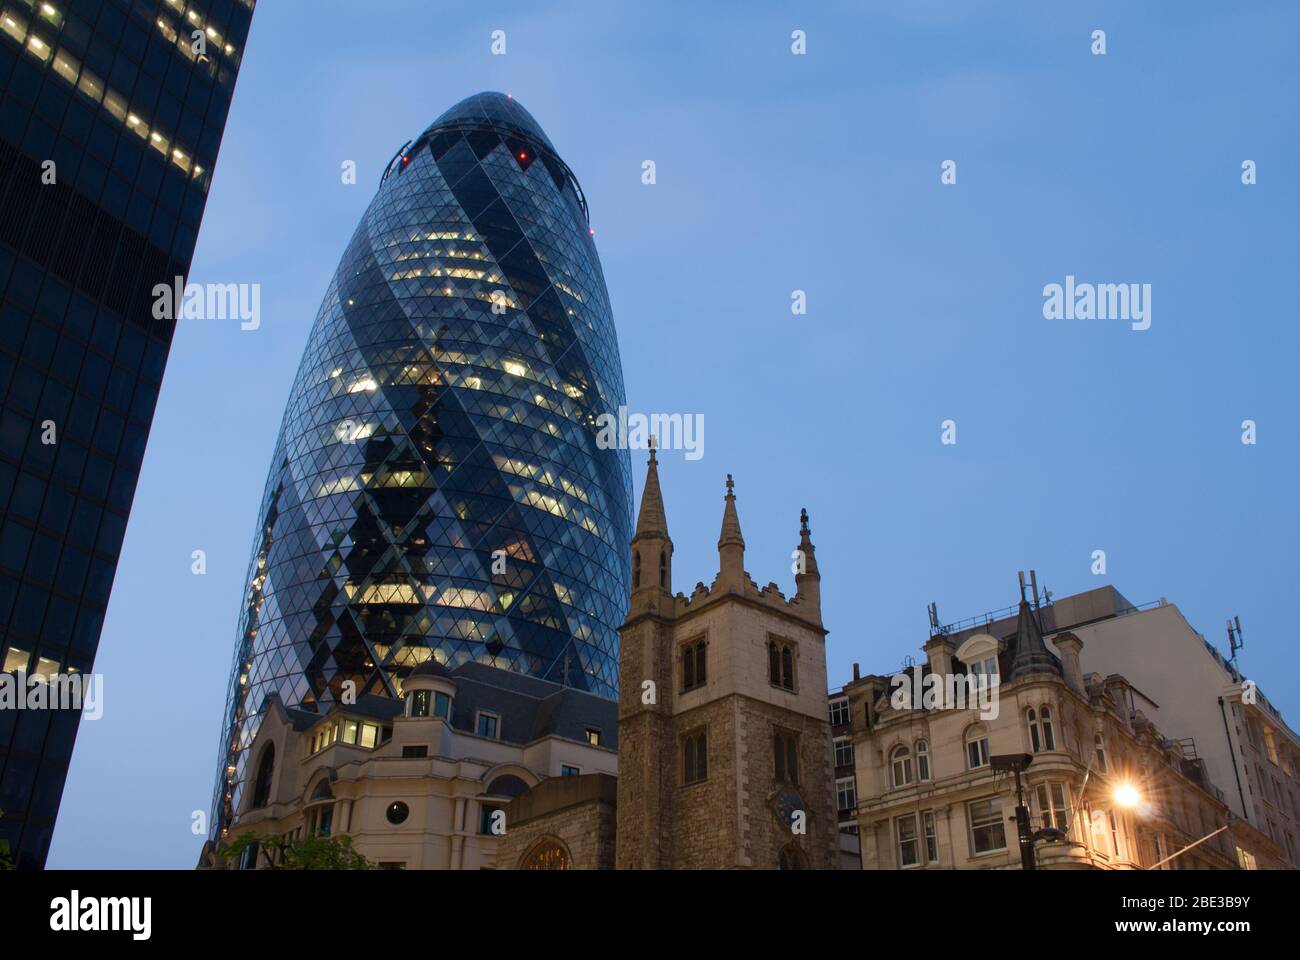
(437, 490)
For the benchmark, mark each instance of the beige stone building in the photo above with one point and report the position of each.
(1104, 788)
(422, 782)
(1247, 748)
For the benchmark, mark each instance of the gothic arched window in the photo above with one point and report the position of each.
(265, 771)
(547, 854)
(785, 756)
(694, 665)
(790, 858)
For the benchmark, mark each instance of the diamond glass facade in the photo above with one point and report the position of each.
(436, 488)
(111, 116)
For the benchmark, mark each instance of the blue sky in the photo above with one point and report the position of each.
(775, 173)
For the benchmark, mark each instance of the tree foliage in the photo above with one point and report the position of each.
(313, 852)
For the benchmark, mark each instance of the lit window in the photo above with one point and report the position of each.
(420, 702)
(593, 736)
(16, 660)
(350, 728)
(369, 735)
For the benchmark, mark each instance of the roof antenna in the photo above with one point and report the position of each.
(1022, 586)
(1235, 642)
(1033, 580)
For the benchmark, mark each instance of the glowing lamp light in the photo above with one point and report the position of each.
(523, 156)
(1126, 795)
(591, 232)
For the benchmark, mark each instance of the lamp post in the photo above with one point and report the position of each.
(1015, 763)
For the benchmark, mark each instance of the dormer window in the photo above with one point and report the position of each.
(488, 725)
(980, 655)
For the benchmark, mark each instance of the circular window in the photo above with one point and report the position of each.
(397, 812)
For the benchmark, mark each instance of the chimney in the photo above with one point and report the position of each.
(1069, 646)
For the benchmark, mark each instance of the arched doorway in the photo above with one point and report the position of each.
(547, 854)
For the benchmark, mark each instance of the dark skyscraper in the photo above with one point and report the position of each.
(111, 114)
(437, 490)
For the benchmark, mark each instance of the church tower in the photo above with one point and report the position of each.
(724, 734)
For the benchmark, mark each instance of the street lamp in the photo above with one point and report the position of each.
(1127, 795)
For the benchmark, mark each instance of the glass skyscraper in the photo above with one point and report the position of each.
(437, 490)
(111, 114)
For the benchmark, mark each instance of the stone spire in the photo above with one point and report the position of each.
(1032, 655)
(808, 581)
(652, 548)
(652, 521)
(731, 545)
